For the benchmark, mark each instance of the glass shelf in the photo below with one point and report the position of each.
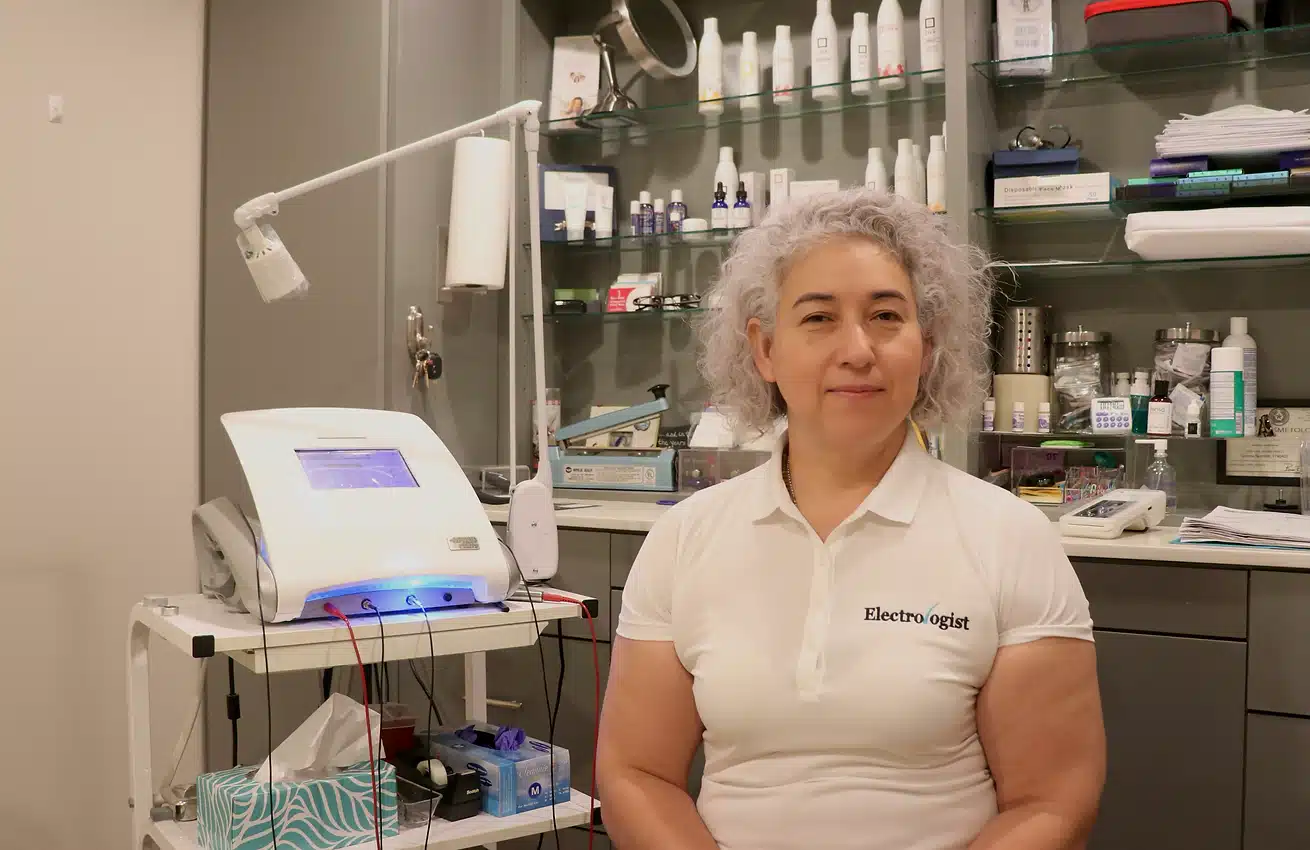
(1153, 57)
(660, 242)
(1056, 213)
(605, 318)
(1058, 269)
(685, 115)
(1091, 438)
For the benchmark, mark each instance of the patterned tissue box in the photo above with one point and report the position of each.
(313, 814)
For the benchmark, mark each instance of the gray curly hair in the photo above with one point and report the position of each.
(953, 288)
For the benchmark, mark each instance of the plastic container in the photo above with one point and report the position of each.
(1080, 373)
(415, 804)
(1182, 356)
(398, 725)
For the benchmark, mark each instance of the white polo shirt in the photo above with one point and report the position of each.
(837, 680)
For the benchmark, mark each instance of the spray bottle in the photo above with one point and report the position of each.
(1160, 475)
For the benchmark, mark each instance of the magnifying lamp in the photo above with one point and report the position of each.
(657, 36)
(532, 532)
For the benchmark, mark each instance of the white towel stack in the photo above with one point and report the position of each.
(1237, 130)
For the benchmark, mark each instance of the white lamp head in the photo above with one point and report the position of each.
(271, 265)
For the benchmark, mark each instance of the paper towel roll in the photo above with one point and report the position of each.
(479, 214)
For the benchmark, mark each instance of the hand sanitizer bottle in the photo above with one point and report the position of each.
(719, 219)
(741, 211)
(1161, 476)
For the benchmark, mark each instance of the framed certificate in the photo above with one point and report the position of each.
(1272, 458)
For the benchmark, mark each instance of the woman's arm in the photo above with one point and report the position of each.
(1039, 719)
(649, 731)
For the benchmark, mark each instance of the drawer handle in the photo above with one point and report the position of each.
(513, 705)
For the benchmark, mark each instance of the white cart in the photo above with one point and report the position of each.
(202, 628)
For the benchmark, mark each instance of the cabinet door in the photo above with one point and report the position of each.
(1277, 783)
(1280, 643)
(1174, 716)
(515, 675)
(584, 567)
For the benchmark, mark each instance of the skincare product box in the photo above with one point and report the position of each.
(574, 76)
(1095, 188)
(627, 288)
(780, 180)
(233, 809)
(513, 781)
(555, 197)
(756, 183)
(1025, 31)
(805, 188)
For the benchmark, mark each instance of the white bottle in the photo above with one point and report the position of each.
(989, 415)
(1239, 338)
(726, 172)
(1044, 417)
(825, 69)
(709, 63)
(748, 71)
(1017, 417)
(920, 176)
(875, 173)
(861, 56)
(904, 171)
(931, 56)
(936, 174)
(891, 46)
(784, 66)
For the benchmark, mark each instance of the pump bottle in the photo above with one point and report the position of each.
(1160, 475)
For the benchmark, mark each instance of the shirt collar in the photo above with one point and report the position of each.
(896, 498)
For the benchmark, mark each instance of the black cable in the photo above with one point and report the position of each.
(233, 706)
(268, 676)
(327, 684)
(383, 689)
(432, 703)
(545, 686)
(559, 693)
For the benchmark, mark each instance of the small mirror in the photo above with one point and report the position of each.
(658, 38)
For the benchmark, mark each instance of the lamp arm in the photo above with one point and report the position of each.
(267, 204)
(531, 143)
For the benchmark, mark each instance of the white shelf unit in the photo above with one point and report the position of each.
(203, 627)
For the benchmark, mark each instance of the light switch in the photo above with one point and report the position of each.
(56, 108)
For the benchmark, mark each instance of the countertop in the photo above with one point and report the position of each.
(1154, 545)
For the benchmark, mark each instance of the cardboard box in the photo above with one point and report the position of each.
(1054, 190)
(756, 183)
(512, 782)
(315, 814)
(780, 184)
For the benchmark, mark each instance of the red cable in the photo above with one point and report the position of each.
(595, 741)
(368, 722)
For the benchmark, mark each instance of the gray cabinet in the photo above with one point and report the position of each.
(584, 558)
(1280, 643)
(1277, 783)
(1174, 716)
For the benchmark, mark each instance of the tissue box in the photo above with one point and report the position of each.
(315, 814)
(512, 782)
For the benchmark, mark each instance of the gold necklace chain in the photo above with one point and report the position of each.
(786, 473)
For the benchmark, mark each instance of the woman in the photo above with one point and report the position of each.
(878, 651)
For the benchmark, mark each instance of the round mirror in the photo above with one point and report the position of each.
(656, 34)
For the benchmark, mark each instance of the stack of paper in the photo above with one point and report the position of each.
(1248, 528)
(1244, 129)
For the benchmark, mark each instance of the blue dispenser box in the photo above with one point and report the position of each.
(512, 781)
(313, 814)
